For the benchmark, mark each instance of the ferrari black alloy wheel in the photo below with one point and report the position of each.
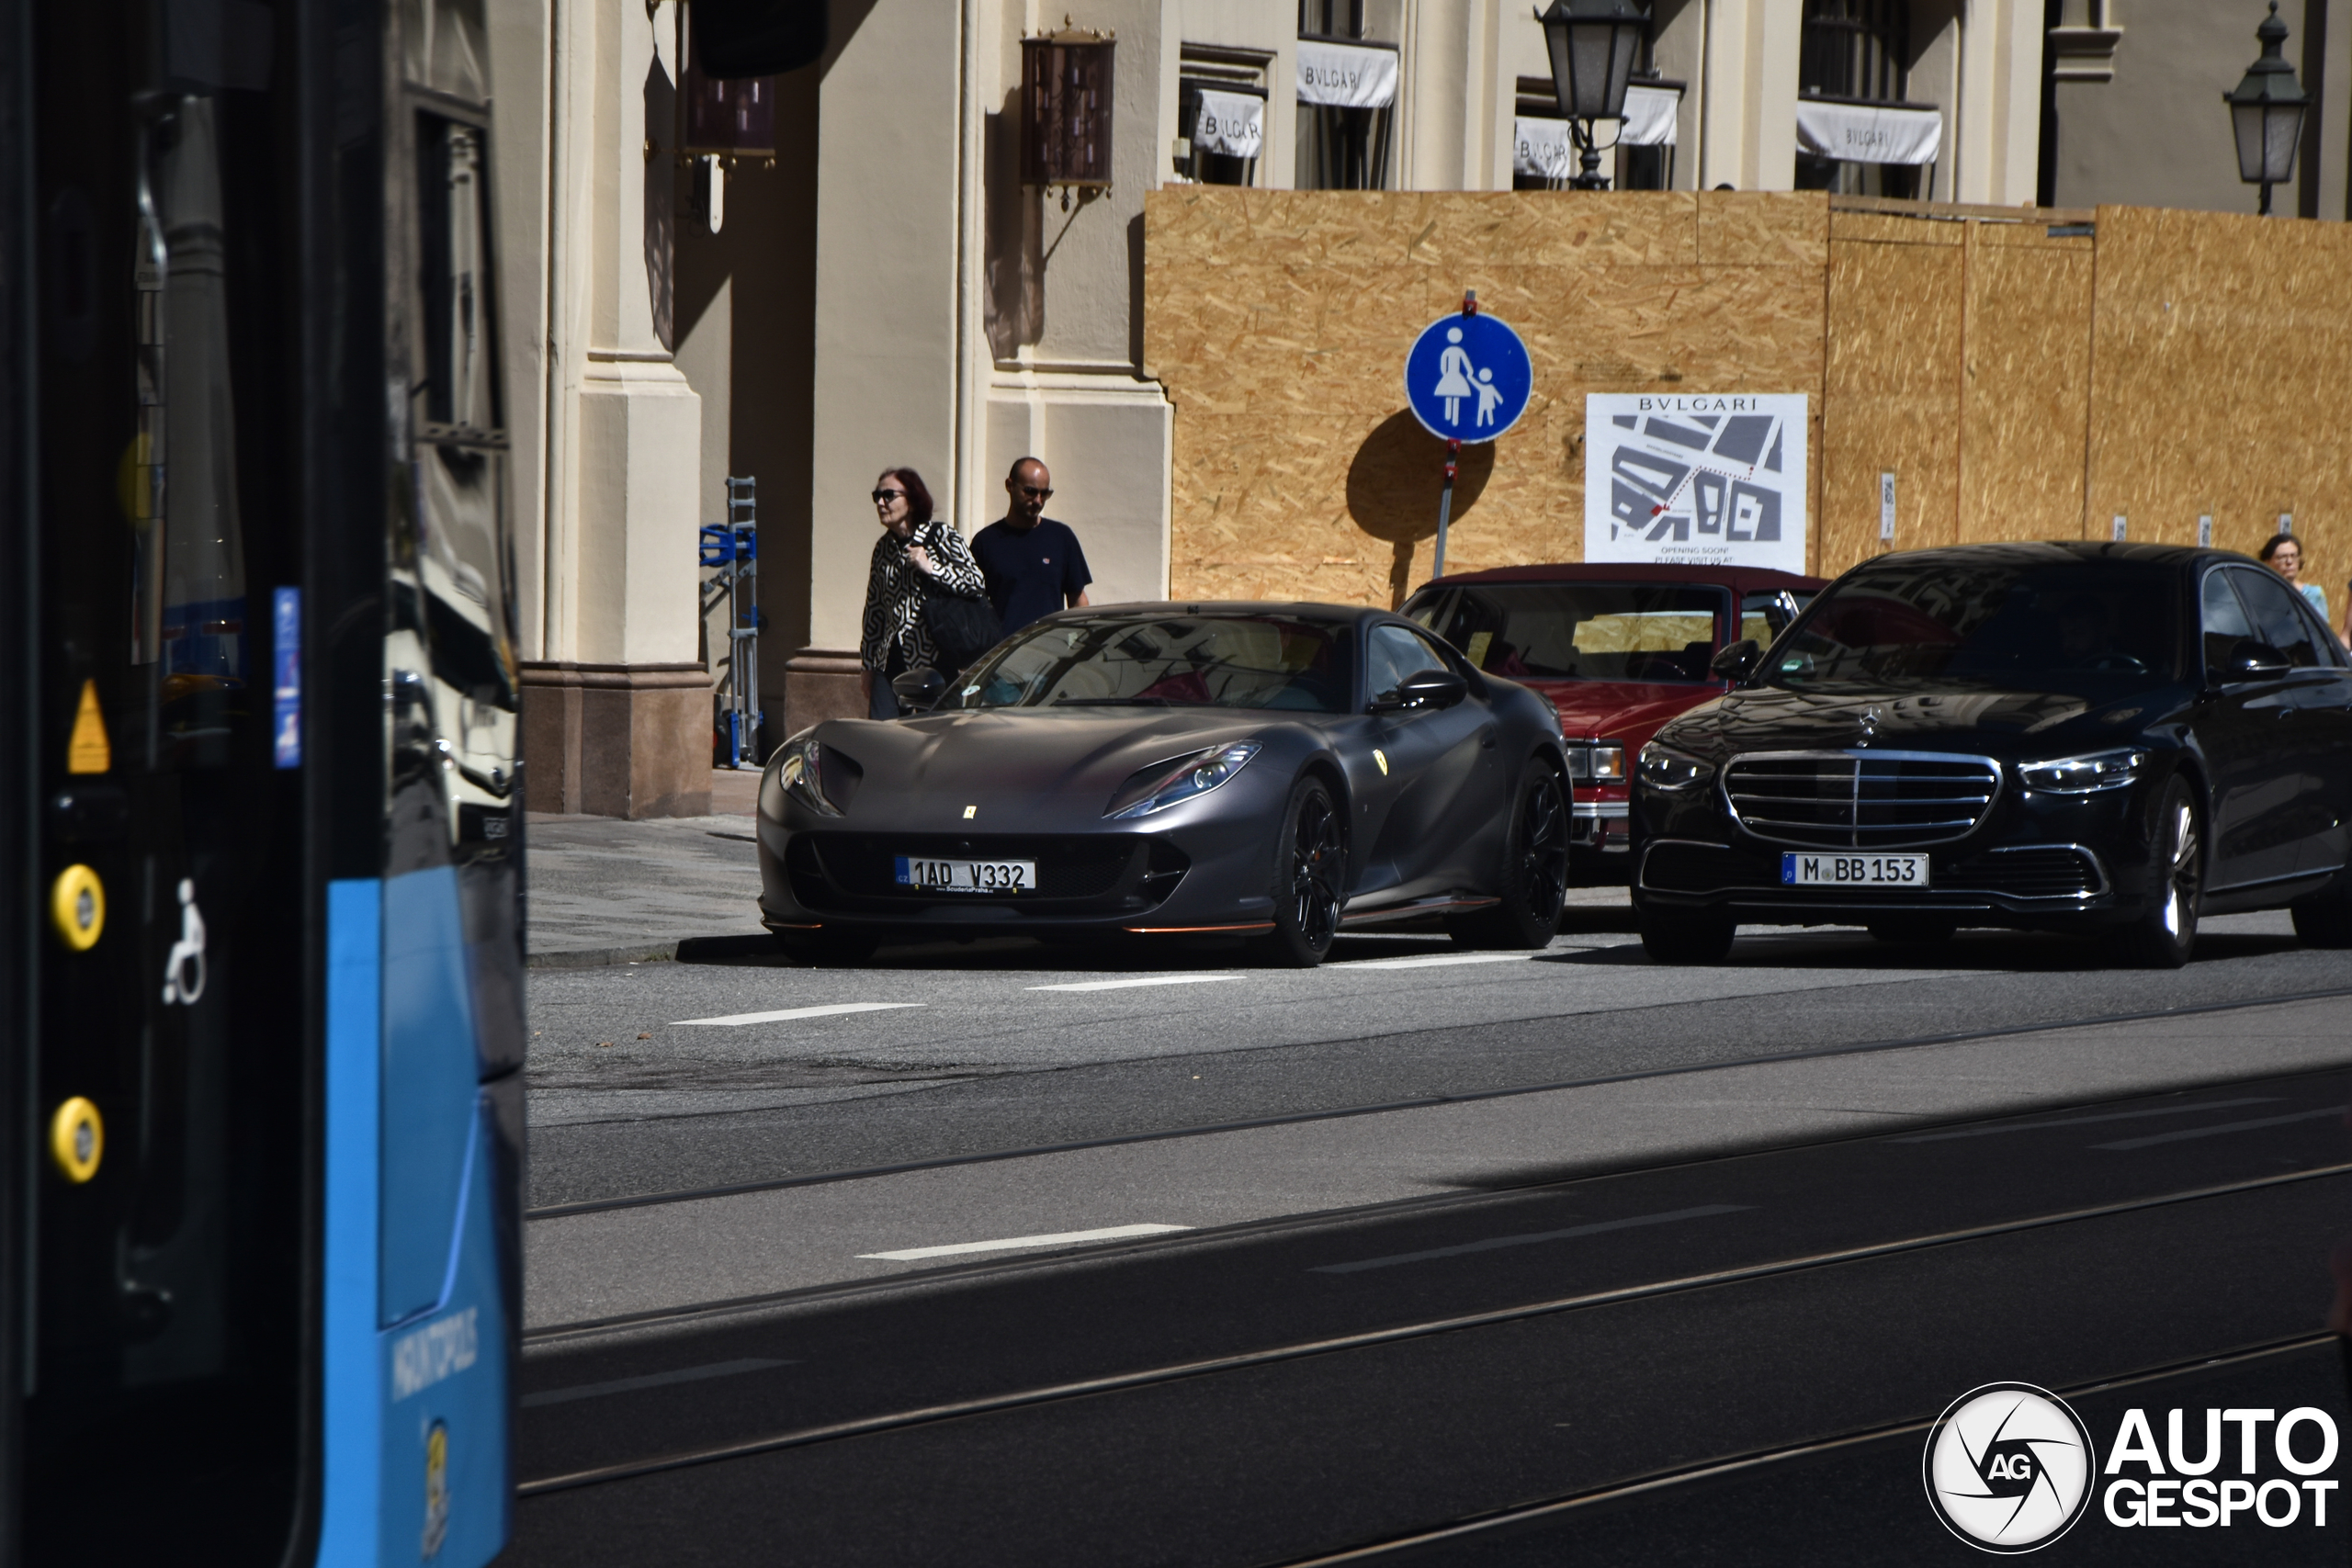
(1535, 879)
(1310, 869)
(2165, 932)
(1685, 936)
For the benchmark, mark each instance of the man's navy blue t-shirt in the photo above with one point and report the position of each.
(1032, 572)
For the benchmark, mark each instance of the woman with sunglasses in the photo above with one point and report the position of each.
(915, 554)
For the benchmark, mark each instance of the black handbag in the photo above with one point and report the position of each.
(961, 629)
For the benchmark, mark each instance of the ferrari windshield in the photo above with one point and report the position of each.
(1174, 660)
(2021, 624)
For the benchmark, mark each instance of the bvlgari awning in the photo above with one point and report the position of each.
(1230, 123)
(1868, 134)
(1650, 116)
(1349, 76)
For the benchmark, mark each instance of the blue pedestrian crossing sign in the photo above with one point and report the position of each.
(1468, 377)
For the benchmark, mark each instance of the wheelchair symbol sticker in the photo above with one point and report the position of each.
(184, 970)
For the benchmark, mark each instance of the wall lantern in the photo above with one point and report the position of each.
(1066, 111)
(721, 119)
(1593, 45)
(2267, 112)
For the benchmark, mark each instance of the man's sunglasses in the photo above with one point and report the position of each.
(1040, 492)
(885, 495)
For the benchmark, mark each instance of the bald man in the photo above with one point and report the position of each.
(1033, 564)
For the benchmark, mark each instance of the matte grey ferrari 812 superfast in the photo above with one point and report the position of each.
(1271, 772)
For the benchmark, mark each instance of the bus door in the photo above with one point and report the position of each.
(265, 1061)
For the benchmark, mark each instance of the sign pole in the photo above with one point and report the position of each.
(1452, 456)
(1445, 507)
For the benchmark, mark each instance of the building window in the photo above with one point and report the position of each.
(1857, 53)
(1347, 99)
(1545, 157)
(1221, 109)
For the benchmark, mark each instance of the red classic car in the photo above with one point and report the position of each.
(1619, 650)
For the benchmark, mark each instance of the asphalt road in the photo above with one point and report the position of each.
(952, 1052)
(1503, 1376)
(1007, 1253)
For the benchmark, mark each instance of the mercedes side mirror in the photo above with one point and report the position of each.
(1429, 689)
(1738, 661)
(2252, 660)
(917, 690)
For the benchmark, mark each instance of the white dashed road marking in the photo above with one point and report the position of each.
(787, 1014)
(1059, 1238)
(1433, 961)
(1130, 984)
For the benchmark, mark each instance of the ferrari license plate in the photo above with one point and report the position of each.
(1853, 871)
(967, 875)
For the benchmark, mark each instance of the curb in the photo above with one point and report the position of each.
(683, 950)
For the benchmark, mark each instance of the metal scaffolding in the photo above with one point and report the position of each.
(730, 552)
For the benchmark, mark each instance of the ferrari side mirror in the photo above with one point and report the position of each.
(918, 688)
(1429, 689)
(1738, 661)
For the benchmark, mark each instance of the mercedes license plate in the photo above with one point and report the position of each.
(967, 875)
(1853, 871)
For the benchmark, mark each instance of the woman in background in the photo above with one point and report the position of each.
(915, 552)
(2283, 554)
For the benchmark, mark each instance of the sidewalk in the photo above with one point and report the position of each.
(605, 891)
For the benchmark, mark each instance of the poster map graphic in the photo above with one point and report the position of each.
(1696, 479)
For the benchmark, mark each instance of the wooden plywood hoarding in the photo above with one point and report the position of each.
(2024, 374)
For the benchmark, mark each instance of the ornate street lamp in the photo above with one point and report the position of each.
(1593, 44)
(2267, 112)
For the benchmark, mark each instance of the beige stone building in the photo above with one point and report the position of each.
(2135, 112)
(867, 281)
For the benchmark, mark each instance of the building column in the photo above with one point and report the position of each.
(1750, 112)
(616, 710)
(888, 356)
(1999, 133)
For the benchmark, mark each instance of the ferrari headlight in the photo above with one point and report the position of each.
(801, 775)
(2087, 775)
(1662, 768)
(1164, 785)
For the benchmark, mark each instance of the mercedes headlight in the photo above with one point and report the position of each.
(1164, 785)
(2086, 774)
(1663, 768)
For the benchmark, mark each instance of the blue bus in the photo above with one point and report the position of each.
(261, 1129)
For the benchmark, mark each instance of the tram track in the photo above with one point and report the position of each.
(2141, 1386)
(1301, 1242)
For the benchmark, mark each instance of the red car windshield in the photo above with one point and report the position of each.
(1585, 631)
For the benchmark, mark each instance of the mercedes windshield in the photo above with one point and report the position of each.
(2030, 625)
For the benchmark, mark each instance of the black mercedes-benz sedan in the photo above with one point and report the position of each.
(2072, 736)
(1269, 771)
